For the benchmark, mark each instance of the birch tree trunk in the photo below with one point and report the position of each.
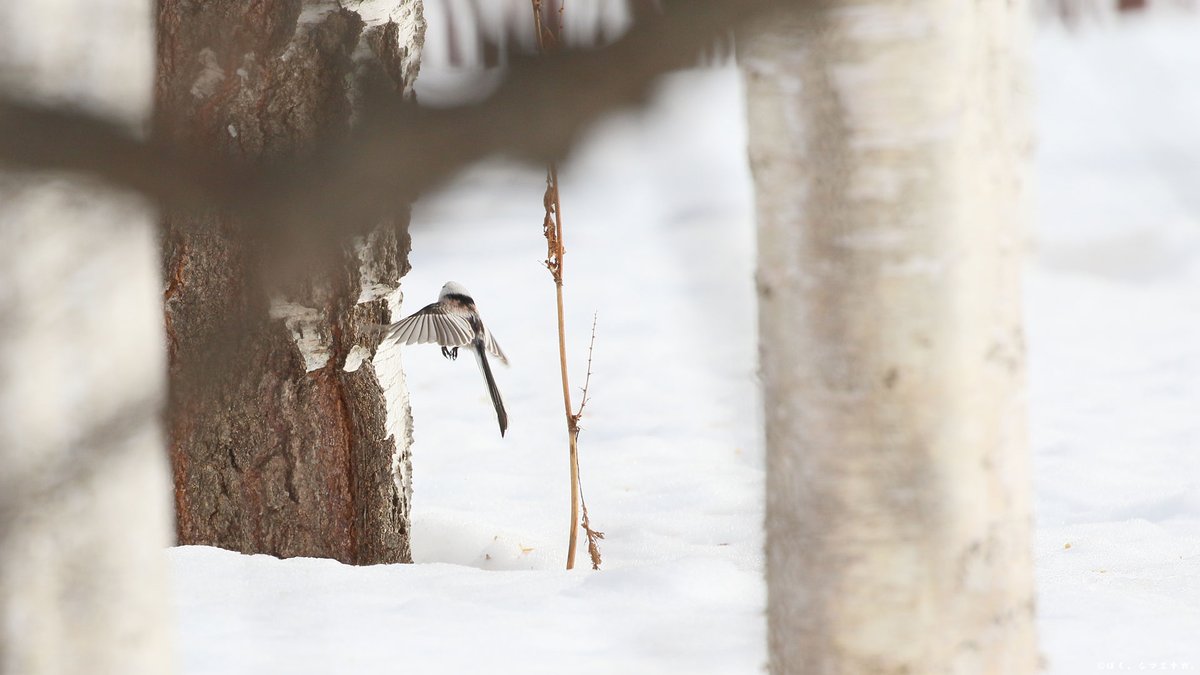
(281, 440)
(888, 144)
(84, 487)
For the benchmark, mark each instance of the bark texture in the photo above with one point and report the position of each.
(84, 486)
(888, 143)
(281, 439)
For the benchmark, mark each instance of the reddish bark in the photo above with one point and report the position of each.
(270, 454)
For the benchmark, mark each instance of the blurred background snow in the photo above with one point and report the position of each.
(657, 208)
(1113, 307)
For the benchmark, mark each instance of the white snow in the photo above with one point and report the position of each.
(1114, 333)
(659, 239)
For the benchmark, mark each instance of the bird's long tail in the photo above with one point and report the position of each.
(486, 369)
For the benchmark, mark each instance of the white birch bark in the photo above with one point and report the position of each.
(84, 489)
(888, 143)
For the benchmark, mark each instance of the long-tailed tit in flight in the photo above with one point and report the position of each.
(453, 322)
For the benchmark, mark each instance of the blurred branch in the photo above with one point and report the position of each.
(62, 139)
(399, 151)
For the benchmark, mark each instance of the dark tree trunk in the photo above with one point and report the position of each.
(280, 434)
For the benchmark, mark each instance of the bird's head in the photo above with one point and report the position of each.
(453, 288)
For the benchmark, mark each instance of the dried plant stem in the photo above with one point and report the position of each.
(549, 38)
(554, 261)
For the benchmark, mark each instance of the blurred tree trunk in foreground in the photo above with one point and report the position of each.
(281, 439)
(888, 144)
(84, 487)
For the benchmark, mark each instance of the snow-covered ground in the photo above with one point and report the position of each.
(1114, 335)
(657, 210)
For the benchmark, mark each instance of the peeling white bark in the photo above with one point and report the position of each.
(387, 363)
(210, 76)
(887, 142)
(84, 489)
(407, 44)
(406, 14)
(313, 11)
(390, 370)
(355, 358)
(373, 277)
(309, 329)
(408, 47)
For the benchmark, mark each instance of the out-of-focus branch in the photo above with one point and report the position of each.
(399, 151)
(63, 139)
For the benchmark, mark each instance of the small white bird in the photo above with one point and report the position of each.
(453, 322)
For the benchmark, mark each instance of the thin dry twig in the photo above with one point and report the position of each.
(587, 380)
(593, 536)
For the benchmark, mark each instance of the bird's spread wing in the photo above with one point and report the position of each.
(495, 348)
(433, 324)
